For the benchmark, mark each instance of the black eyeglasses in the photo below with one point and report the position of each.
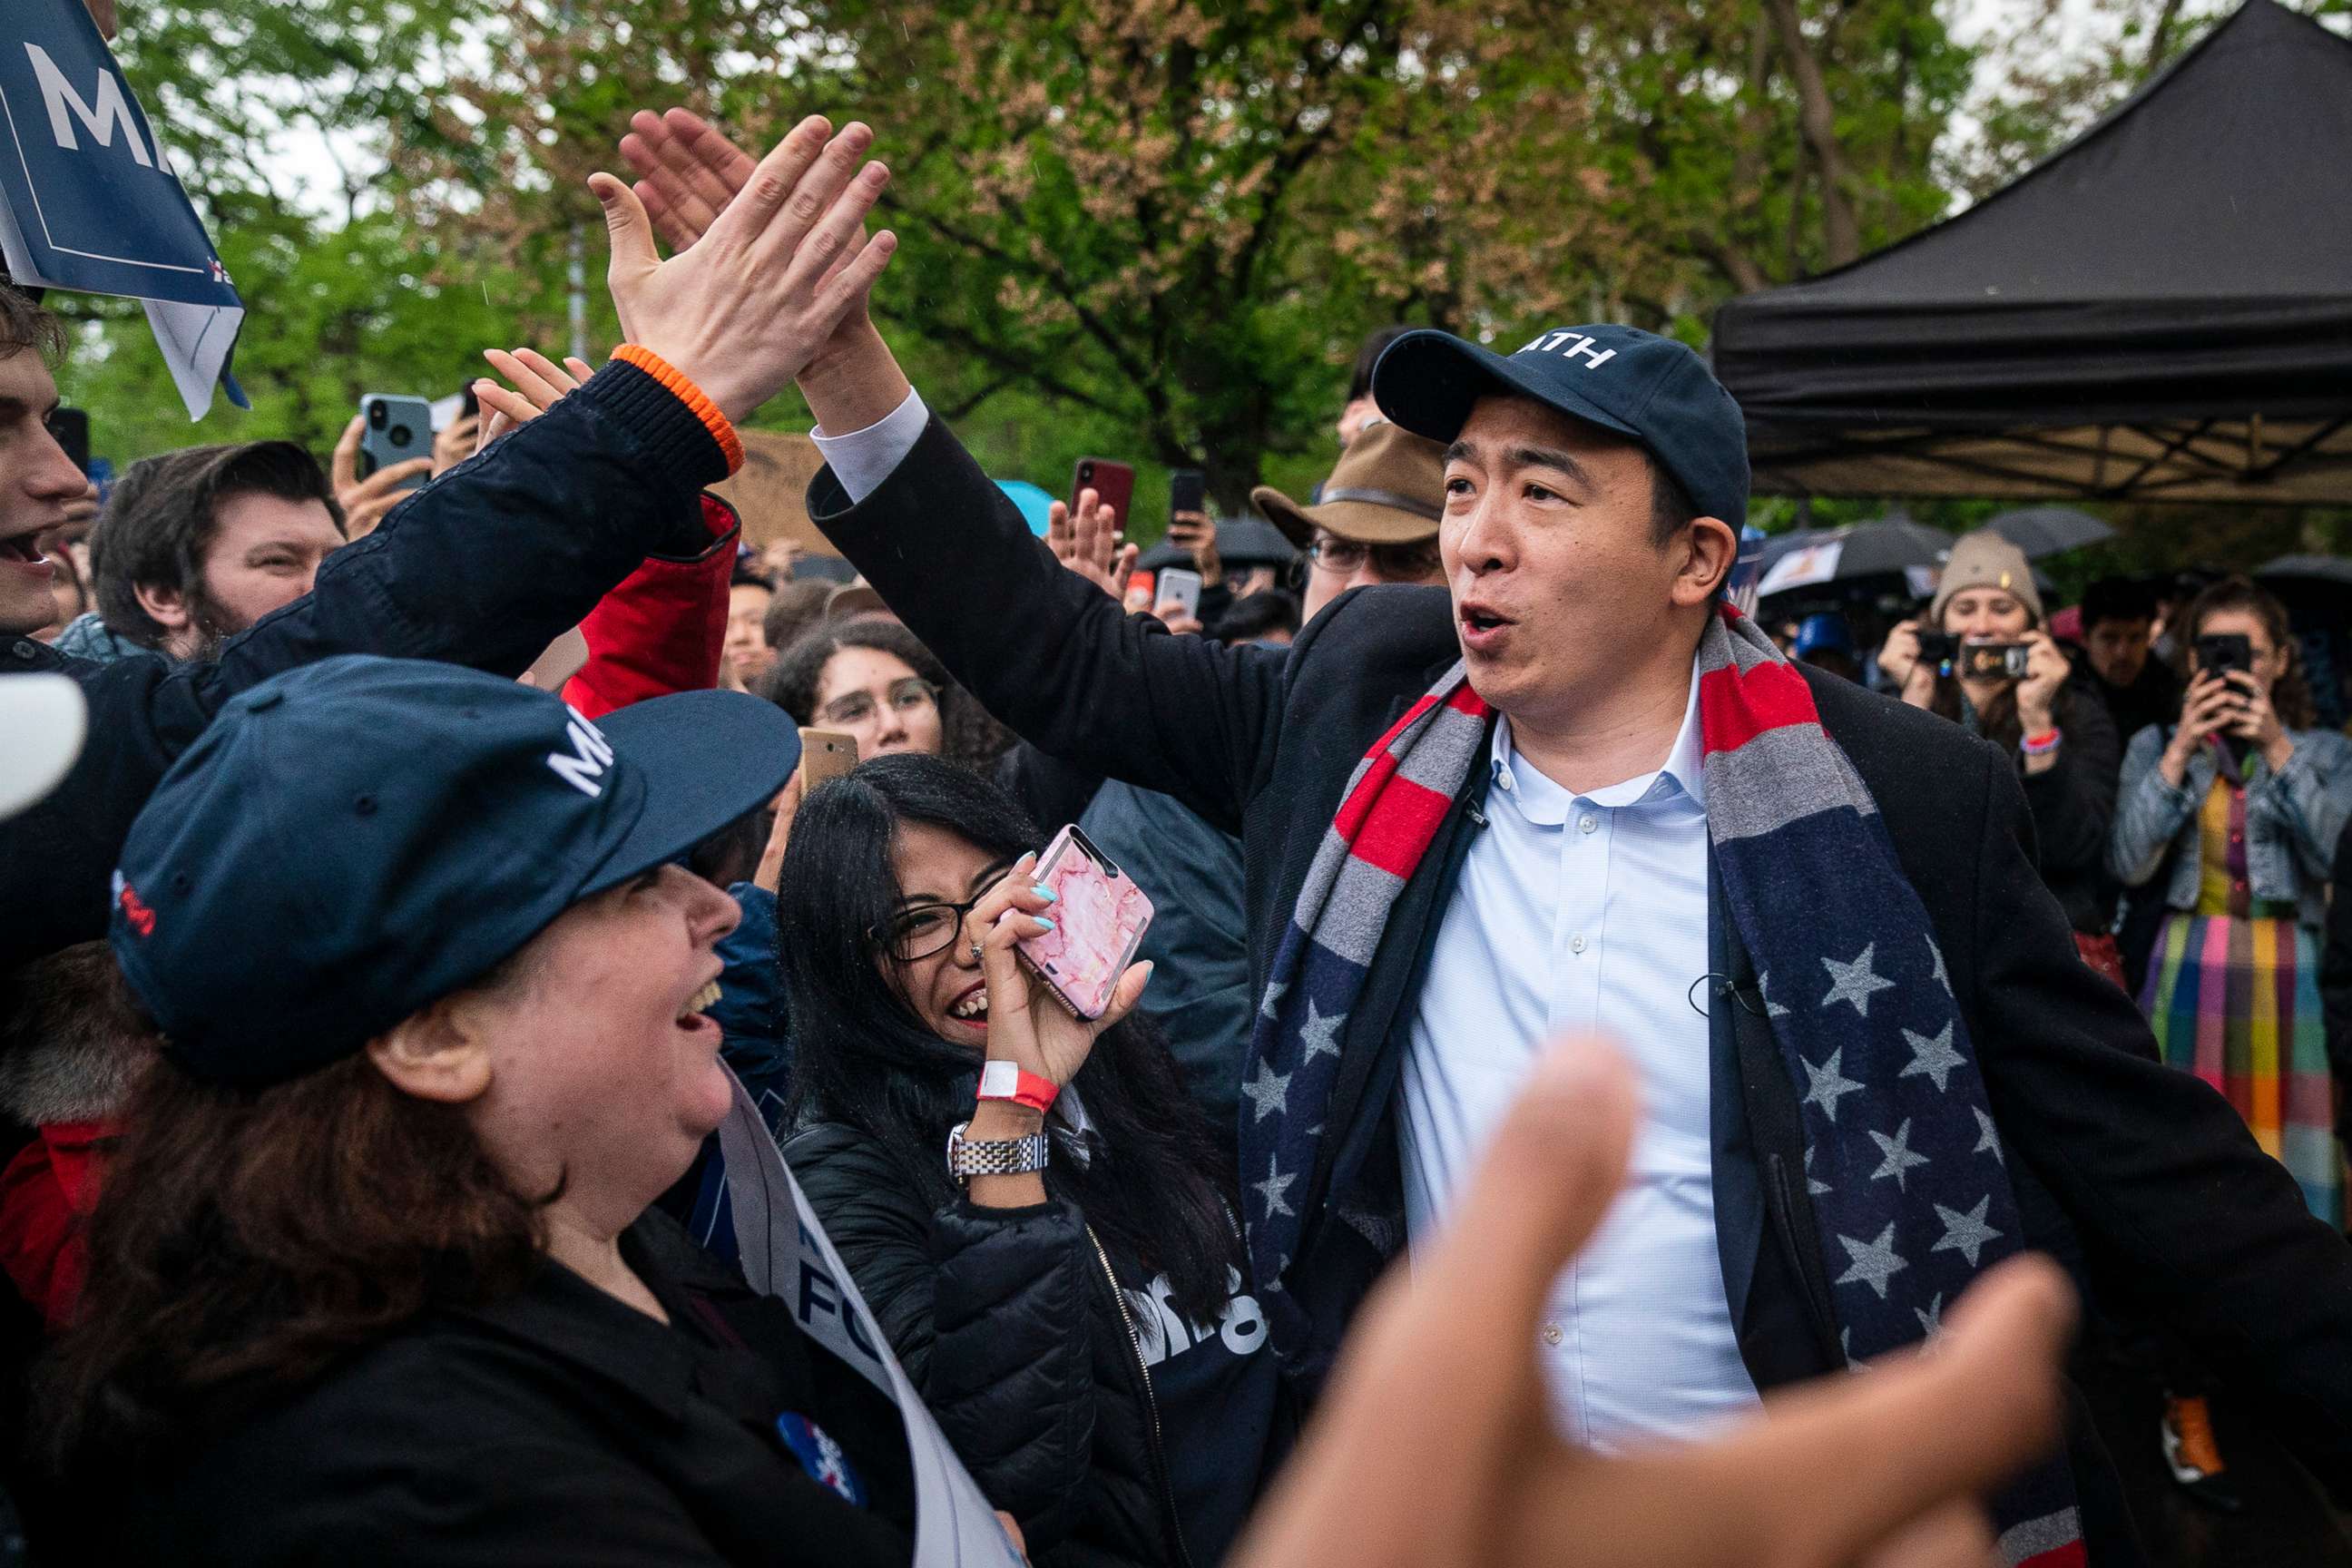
(910, 695)
(919, 930)
(1398, 563)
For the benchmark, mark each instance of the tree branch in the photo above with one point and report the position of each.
(1817, 121)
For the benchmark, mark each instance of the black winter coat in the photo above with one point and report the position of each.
(483, 567)
(555, 1428)
(1009, 1321)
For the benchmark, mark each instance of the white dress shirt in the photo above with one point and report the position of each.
(1589, 912)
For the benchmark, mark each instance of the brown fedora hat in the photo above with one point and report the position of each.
(1389, 489)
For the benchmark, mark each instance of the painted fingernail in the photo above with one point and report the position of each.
(1043, 923)
(1046, 893)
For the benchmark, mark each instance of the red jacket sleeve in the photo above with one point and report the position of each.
(661, 629)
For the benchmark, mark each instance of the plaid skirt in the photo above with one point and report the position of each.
(2236, 1002)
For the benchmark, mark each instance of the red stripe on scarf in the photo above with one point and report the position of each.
(1396, 834)
(1734, 708)
(2073, 1554)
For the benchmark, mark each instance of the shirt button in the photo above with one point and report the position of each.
(1503, 782)
(1576, 944)
(21, 650)
(1586, 824)
(1552, 1335)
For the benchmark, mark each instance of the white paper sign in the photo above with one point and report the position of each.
(786, 1254)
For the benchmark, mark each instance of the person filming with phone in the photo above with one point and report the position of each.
(1056, 1257)
(1984, 659)
(2234, 811)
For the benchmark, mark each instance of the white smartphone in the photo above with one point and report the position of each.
(1179, 586)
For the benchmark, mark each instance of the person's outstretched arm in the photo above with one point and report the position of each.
(951, 554)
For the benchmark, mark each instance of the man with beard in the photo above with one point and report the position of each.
(196, 545)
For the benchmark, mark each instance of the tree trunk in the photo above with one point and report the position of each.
(1817, 121)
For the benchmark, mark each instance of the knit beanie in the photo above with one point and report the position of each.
(1985, 559)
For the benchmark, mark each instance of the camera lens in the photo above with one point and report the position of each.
(400, 436)
(376, 415)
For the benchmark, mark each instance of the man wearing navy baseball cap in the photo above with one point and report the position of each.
(1573, 788)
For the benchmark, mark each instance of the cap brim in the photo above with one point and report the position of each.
(1428, 382)
(46, 719)
(707, 758)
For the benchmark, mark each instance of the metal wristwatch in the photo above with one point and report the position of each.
(994, 1157)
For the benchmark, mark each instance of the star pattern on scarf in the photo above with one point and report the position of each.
(1943, 975)
(1933, 1056)
(1873, 1262)
(1269, 1091)
(1857, 981)
(1931, 1316)
(1764, 993)
(1987, 1141)
(1272, 1187)
(1274, 991)
(1814, 1186)
(1318, 1034)
(1965, 1233)
(1828, 1083)
(1900, 1161)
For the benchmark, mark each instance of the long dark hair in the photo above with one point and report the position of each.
(864, 1057)
(966, 732)
(247, 1239)
(2290, 693)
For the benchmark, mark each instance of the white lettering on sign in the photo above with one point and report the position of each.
(100, 120)
(591, 754)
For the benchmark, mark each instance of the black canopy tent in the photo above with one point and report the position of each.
(2160, 312)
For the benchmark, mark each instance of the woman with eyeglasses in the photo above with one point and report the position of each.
(873, 679)
(1078, 1322)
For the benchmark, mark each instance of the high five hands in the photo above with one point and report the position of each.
(1434, 1445)
(771, 276)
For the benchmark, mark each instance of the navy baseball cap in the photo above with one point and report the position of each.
(353, 839)
(1638, 385)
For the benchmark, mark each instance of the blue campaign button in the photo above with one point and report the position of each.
(821, 1456)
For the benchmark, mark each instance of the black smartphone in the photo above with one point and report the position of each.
(2218, 653)
(1995, 660)
(1938, 649)
(1188, 490)
(72, 428)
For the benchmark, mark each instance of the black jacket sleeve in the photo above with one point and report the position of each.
(987, 1311)
(1046, 652)
(483, 567)
(2073, 802)
(2180, 1214)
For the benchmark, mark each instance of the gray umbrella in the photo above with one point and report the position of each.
(2331, 568)
(1241, 542)
(2041, 530)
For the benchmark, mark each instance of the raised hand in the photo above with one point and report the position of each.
(1090, 546)
(745, 308)
(366, 501)
(686, 172)
(538, 384)
(1854, 1470)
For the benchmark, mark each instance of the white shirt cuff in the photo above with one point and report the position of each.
(862, 459)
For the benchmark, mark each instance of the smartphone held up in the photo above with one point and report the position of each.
(1099, 918)
(393, 428)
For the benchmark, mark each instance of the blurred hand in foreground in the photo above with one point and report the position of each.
(1434, 1446)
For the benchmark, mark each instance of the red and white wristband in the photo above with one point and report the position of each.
(1006, 1081)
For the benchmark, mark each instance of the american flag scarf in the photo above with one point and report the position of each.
(1855, 992)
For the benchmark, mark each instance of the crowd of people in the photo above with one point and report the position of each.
(1500, 1134)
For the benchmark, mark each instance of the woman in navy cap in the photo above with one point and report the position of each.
(374, 1277)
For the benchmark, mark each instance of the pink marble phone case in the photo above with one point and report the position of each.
(1098, 920)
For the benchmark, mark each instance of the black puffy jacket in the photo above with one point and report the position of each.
(1010, 1324)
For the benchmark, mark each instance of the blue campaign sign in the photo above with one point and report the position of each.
(94, 200)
